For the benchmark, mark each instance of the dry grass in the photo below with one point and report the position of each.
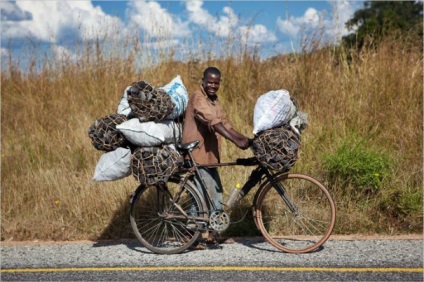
(48, 160)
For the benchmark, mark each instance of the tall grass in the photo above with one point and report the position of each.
(47, 159)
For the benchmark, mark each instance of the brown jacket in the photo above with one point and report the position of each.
(201, 115)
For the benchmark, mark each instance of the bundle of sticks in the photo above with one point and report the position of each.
(277, 148)
(148, 103)
(151, 165)
(104, 135)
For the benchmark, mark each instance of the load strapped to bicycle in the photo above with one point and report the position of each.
(294, 212)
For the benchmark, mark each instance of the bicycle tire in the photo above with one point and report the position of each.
(158, 224)
(302, 231)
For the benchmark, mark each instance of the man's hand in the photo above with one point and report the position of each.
(238, 139)
(244, 143)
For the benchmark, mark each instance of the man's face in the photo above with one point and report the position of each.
(211, 84)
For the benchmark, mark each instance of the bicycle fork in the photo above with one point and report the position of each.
(281, 191)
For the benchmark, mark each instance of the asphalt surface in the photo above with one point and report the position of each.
(246, 259)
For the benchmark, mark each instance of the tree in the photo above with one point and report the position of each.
(381, 18)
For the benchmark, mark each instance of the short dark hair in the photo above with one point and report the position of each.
(211, 70)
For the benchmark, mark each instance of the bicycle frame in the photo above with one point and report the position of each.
(261, 169)
(195, 171)
(180, 211)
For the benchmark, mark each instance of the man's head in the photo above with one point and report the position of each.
(211, 81)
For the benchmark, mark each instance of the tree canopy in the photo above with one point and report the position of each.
(380, 18)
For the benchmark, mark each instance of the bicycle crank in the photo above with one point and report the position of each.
(219, 221)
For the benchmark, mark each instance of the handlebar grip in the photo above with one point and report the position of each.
(250, 142)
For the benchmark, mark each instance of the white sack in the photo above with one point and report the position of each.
(113, 165)
(300, 122)
(124, 106)
(150, 133)
(272, 109)
(179, 96)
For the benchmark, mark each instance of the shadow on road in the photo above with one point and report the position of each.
(258, 244)
(119, 226)
(119, 232)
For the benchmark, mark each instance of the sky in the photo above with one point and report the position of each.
(274, 26)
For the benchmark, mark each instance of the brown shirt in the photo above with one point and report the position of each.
(201, 115)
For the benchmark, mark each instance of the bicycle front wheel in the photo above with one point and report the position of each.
(157, 220)
(296, 214)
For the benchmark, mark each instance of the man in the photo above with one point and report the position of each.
(206, 121)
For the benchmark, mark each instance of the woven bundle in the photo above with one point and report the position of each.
(151, 165)
(148, 103)
(104, 135)
(277, 148)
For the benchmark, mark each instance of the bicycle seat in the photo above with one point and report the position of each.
(188, 146)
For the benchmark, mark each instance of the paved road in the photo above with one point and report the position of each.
(248, 259)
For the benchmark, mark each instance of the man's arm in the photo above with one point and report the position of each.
(238, 139)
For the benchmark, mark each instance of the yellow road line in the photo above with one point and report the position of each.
(218, 268)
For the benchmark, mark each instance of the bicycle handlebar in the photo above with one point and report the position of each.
(247, 161)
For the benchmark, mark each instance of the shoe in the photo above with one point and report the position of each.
(215, 238)
(216, 241)
(198, 246)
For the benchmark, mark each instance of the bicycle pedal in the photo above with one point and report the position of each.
(192, 226)
(203, 227)
(196, 226)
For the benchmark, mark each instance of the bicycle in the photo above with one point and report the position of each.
(294, 212)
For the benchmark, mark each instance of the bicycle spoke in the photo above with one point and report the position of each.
(300, 231)
(150, 230)
(309, 226)
(179, 234)
(150, 235)
(305, 224)
(158, 224)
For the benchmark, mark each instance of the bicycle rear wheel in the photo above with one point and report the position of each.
(297, 215)
(157, 222)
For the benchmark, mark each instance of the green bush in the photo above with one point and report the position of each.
(357, 163)
(403, 202)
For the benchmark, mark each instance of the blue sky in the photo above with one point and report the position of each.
(275, 26)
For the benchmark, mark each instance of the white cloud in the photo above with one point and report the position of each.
(62, 54)
(292, 26)
(198, 15)
(53, 21)
(4, 52)
(11, 12)
(155, 20)
(162, 44)
(61, 22)
(222, 26)
(227, 24)
(342, 12)
(333, 23)
(289, 27)
(256, 34)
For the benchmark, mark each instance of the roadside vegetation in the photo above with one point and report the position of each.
(364, 139)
